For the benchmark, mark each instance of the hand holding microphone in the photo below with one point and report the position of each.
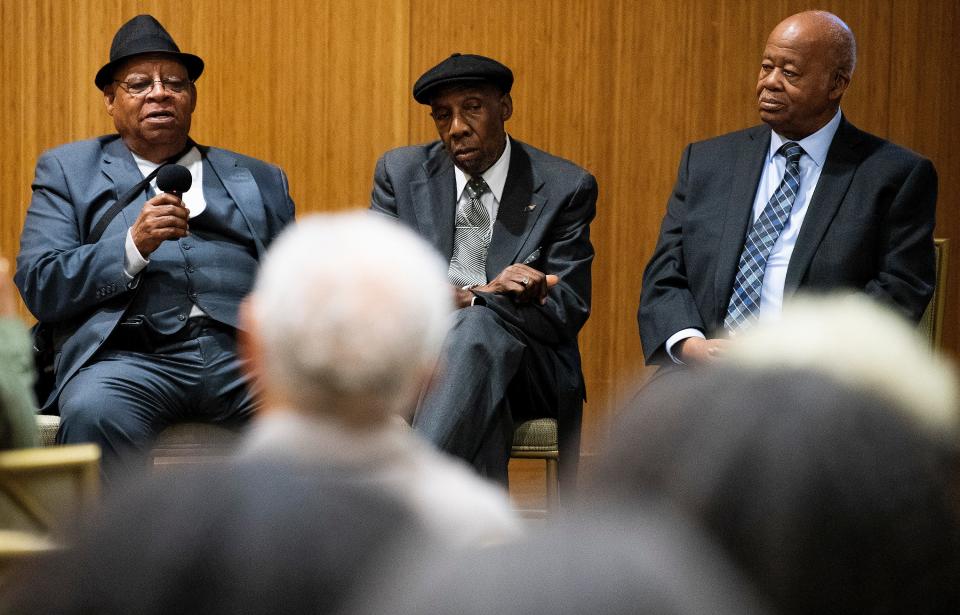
(164, 217)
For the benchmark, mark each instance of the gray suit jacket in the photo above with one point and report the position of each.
(869, 227)
(547, 206)
(81, 289)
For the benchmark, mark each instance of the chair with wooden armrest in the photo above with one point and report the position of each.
(931, 324)
(43, 492)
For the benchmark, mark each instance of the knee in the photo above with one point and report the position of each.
(476, 321)
(480, 330)
(90, 418)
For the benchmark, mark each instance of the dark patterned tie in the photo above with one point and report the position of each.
(745, 301)
(471, 238)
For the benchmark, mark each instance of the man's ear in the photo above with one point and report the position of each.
(424, 379)
(840, 82)
(506, 107)
(193, 97)
(109, 95)
(253, 361)
(249, 345)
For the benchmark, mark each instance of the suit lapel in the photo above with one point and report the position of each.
(838, 169)
(121, 168)
(520, 208)
(435, 203)
(747, 168)
(243, 190)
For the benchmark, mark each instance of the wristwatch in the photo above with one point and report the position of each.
(477, 300)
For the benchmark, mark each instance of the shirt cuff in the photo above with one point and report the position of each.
(679, 336)
(133, 262)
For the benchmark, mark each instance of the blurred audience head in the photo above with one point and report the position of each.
(831, 498)
(224, 539)
(346, 318)
(862, 344)
(648, 562)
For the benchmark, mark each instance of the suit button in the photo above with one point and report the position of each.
(186, 246)
(181, 317)
(191, 269)
(193, 295)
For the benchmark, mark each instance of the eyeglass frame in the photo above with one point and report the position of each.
(164, 83)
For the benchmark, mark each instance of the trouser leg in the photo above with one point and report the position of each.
(225, 397)
(123, 399)
(486, 363)
(120, 401)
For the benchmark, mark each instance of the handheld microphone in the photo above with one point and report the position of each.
(174, 179)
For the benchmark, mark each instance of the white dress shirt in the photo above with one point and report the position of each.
(815, 149)
(496, 178)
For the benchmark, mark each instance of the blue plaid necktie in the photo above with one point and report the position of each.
(471, 238)
(745, 300)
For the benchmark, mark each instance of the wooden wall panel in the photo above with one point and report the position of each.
(323, 87)
(312, 86)
(923, 116)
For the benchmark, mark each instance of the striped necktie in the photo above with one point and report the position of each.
(471, 238)
(744, 304)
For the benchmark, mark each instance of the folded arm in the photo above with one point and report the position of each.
(566, 253)
(667, 306)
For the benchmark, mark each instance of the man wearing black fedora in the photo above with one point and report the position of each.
(141, 287)
(513, 222)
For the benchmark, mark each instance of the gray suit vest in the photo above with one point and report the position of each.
(214, 267)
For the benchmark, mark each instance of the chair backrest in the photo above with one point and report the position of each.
(43, 490)
(931, 324)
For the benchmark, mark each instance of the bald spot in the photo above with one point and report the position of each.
(825, 31)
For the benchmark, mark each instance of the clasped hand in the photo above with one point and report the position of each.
(522, 282)
(698, 351)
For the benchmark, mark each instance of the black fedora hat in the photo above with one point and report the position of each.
(144, 34)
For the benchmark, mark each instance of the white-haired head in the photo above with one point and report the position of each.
(348, 312)
(861, 344)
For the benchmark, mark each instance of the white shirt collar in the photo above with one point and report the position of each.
(146, 166)
(816, 145)
(193, 198)
(495, 176)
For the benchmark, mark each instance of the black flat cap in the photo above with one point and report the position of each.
(462, 68)
(144, 34)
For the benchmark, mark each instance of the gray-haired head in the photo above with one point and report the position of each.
(348, 314)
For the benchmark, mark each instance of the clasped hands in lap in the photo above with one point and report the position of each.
(522, 282)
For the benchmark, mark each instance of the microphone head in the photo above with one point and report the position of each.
(174, 178)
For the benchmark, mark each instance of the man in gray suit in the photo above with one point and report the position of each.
(805, 202)
(144, 316)
(513, 223)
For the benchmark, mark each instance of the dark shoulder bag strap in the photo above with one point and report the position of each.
(131, 194)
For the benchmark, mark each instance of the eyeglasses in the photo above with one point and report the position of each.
(139, 87)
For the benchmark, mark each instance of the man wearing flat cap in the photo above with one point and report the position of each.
(513, 222)
(139, 287)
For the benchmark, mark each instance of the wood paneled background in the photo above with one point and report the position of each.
(322, 87)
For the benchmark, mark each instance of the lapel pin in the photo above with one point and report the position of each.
(531, 207)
